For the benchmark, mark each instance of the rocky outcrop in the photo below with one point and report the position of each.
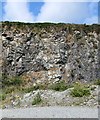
(51, 52)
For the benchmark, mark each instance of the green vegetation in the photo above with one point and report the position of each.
(80, 90)
(16, 80)
(11, 84)
(2, 96)
(97, 82)
(37, 99)
(10, 89)
(46, 25)
(61, 86)
(30, 89)
(36, 87)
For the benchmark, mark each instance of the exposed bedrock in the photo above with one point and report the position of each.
(51, 53)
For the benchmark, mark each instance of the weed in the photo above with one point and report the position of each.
(12, 81)
(97, 82)
(37, 99)
(30, 89)
(80, 90)
(61, 86)
(2, 97)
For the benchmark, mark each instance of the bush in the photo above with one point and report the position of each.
(12, 81)
(36, 87)
(2, 97)
(32, 88)
(97, 82)
(61, 86)
(9, 89)
(80, 90)
(37, 99)
(43, 86)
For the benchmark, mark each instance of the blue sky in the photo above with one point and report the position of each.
(35, 6)
(67, 12)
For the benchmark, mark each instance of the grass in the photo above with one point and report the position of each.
(37, 100)
(61, 86)
(80, 90)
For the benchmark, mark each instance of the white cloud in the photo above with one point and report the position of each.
(54, 0)
(64, 0)
(17, 11)
(70, 12)
(63, 12)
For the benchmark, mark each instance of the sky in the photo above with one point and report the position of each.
(65, 12)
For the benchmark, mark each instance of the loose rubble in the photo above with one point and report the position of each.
(53, 98)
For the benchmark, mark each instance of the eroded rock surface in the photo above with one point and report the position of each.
(51, 52)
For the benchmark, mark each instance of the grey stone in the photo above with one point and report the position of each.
(43, 51)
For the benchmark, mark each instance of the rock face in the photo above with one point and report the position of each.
(51, 52)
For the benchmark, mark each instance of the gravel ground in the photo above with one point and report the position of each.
(51, 112)
(51, 98)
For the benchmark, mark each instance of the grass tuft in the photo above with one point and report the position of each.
(80, 90)
(37, 100)
(61, 86)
